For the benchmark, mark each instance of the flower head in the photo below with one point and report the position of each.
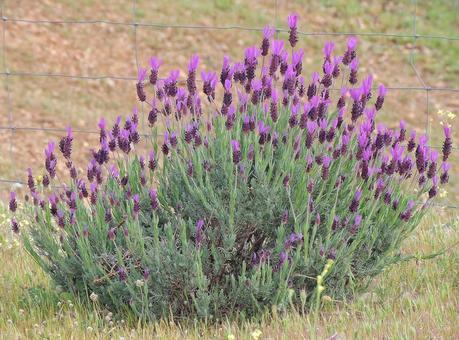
(328, 49)
(278, 47)
(292, 21)
(155, 63)
(352, 43)
(193, 64)
(13, 203)
(141, 74)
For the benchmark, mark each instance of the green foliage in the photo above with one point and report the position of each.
(242, 214)
(263, 204)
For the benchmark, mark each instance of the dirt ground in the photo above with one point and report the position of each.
(174, 31)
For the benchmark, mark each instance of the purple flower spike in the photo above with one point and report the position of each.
(263, 131)
(423, 141)
(256, 86)
(278, 47)
(286, 180)
(50, 150)
(355, 201)
(193, 64)
(293, 33)
(155, 63)
(293, 240)
(13, 203)
(227, 85)
(154, 199)
(199, 232)
(352, 43)
(282, 259)
(356, 93)
(328, 70)
(447, 143)
(152, 164)
(445, 166)
(297, 60)
(268, 32)
(30, 180)
(444, 178)
(136, 200)
(406, 215)
(111, 235)
(397, 152)
(350, 54)
(381, 95)
(209, 81)
(236, 151)
(142, 72)
(140, 86)
(114, 172)
(328, 49)
(382, 90)
(93, 190)
(354, 66)
(325, 166)
(292, 21)
(14, 226)
(226, 70)
(251, 54)
(230, 117)
(402, 132)
(191, 79)
(122, 275)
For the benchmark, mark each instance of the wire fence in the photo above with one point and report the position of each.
(7, 74)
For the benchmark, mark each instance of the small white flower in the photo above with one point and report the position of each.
(94, 297)
(139, 283)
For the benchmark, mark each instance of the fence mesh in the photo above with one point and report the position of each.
(8, 74)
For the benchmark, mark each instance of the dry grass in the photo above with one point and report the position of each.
(415, 299)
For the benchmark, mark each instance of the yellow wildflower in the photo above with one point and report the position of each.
(256, 334)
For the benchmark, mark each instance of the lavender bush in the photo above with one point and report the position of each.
(262, 196)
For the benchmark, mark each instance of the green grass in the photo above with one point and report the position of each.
(414, 299)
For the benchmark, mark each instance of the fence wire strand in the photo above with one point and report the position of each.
(6, 74)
